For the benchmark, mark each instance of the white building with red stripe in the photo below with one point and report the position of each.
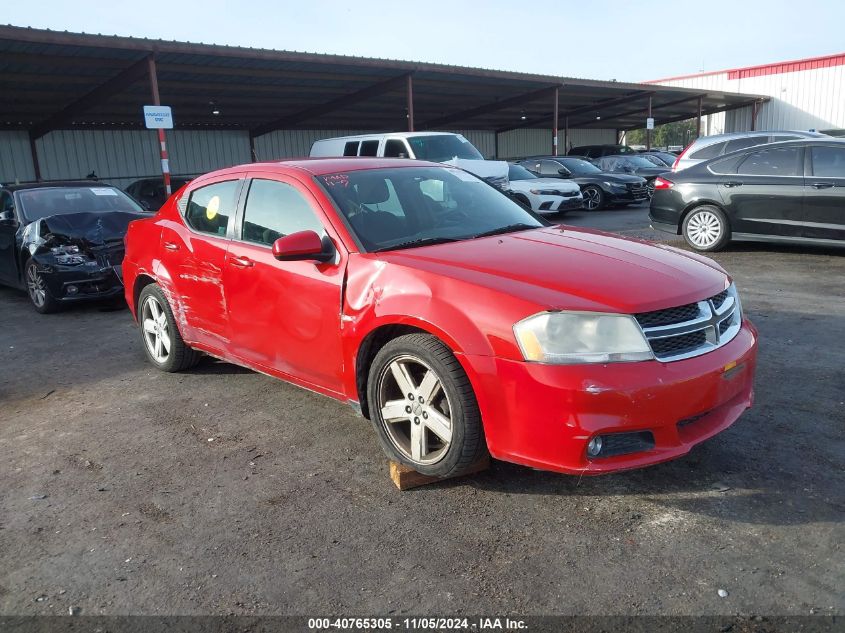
(805, 94)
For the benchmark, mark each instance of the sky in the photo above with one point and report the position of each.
(598, 39)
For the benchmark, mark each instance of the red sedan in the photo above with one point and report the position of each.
(454, 319)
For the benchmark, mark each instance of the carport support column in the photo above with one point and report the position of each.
(410, 103)
(554, 124)
(648, 132)
(565, 135)
(34, 151)
(698, 120)
(165, 162)
(755, 108)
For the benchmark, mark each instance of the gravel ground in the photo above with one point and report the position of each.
(127, 491)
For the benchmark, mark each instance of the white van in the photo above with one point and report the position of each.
(438, 147)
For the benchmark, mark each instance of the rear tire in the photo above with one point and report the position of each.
(37, 290)
(160, 336)
(423, 407)
(706, 229)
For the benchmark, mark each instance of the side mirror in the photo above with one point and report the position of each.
(302, 246)
(563, 171)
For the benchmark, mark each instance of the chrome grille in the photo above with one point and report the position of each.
(692, 329)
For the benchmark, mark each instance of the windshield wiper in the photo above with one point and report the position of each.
(423, 241)
(520, 226)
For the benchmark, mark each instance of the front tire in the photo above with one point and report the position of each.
(594, 198)
(706, 229)
(36, 288)
(159, 334)
(423, 407)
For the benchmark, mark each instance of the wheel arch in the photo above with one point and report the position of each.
(701, 203)
(141, 281)
(373, 342)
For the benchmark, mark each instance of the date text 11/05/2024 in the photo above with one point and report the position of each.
(418, 624)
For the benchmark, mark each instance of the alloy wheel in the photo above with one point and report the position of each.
(36, 287)
(156, 329)
(591, 199)
(415, 410)
(704, 229)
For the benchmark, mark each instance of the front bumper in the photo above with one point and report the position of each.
(544, 415)
(76, 283)
(555, 204)
(627, 197)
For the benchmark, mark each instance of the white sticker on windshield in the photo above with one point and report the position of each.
(103, 191)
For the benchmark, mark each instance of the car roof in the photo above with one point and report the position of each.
(57, 183)
(321, 166)
(732, 135)
(354, 137)
(827, 140)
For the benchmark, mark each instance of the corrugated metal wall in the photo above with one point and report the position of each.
(120, 157)
(530, 142)
(803, 100)
(15, 157)
(123, 156)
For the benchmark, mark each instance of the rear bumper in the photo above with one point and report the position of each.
(544, 416)
(666, 228)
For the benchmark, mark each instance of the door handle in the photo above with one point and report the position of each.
(242, 262)
(733, 183)
(822, 185)
(171, 246)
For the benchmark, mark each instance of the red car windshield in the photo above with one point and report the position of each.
(47, 201)
(409, 206)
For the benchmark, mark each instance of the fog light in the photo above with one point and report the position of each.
(72, 290)
(594, 446)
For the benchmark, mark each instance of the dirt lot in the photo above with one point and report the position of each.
(124, 490)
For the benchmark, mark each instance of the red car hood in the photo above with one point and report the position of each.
(564, 268)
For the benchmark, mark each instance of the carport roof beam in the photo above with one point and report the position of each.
(494, 106)
(364, 94)
(97, 96)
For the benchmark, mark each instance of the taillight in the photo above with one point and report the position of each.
(662, 183)
(680, 156)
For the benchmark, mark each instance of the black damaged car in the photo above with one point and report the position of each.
(63, 241)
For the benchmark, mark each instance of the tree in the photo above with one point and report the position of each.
(677, 133)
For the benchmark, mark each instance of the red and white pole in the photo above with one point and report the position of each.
(165, 162)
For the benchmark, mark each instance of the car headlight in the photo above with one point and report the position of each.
(536, 192)
(68, 255)
(613, 185)
(562, 338)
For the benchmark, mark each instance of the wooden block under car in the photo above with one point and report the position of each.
(406, 477)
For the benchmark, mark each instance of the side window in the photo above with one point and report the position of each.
(274, 209)
(351, 148)
(549, 168)
(7, 202)
(209, 208)
(368, 148)
(742, 143)
(395, 148)
(726, 165)
(710, 151)
(771, 162)
(828, 162)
